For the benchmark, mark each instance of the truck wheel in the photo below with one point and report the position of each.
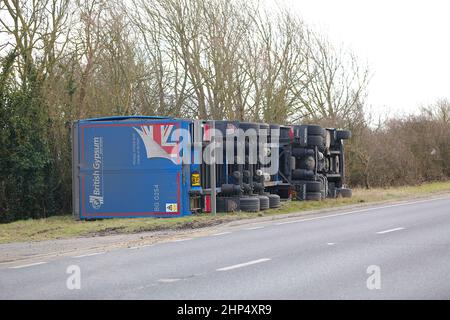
(315, 141)
(307, 163)
(302, 152)
(236, 175)
(345, 192)
(246, 173)
(301, 174)
(343, 134)
(249, 204)
(274, 200)
(314, 196)
(315, 130)
(264, 202)
(311, 186)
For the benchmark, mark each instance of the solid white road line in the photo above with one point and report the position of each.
(181, 240)
(362, 210)
(220, 234)
(90, 254)
(390, 230)
(28, 265)
(243, 264)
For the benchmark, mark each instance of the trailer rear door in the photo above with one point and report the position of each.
(129, 168)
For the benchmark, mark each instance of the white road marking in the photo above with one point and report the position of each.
(140, 247)
(245, 264)
(361, 210)
(331, 243)
(220, 234)
(28, 265)
(90, 254)
(390, 230)
(253, 228)
(181, 240)
(288, 222)
(168, 280)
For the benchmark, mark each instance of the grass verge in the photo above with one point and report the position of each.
(63, 227)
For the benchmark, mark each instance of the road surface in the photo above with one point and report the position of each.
(399, 251)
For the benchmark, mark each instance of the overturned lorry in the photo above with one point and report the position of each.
(141, 166)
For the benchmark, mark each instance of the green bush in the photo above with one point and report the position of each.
(27, 181)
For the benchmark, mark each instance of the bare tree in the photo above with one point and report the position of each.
(37, 31)
(338, 87)
(439, 111)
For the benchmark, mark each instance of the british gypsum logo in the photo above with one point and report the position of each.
(158, 141)
(96, 199)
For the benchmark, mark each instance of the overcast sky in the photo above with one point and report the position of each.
(406, 44)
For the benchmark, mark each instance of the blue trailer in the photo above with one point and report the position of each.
(131, 167)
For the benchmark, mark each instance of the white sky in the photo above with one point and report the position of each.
(405, 43)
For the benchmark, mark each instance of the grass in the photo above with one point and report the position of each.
(63, 227)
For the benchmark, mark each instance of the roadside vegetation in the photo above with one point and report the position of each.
(63, 227)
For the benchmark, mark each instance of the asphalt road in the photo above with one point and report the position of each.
(402, 251)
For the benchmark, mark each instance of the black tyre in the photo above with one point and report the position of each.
(249, 204)
(315, 130)
(314, 196)
(301, 174)
(307, 163)
(264, 202)
(302, 152)
(315, 141)
(312, 186)
(237, 175)
(274, 200)
(345, 192)
(246, 173)
(343, 134)
(230, 189)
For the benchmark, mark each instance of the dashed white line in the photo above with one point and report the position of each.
(28, 265)
(90, 254)
(331, 243)
(168, 280)
(390, 230)
(245, 264)
(361, 210)
(220, 234)
(253, 228)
